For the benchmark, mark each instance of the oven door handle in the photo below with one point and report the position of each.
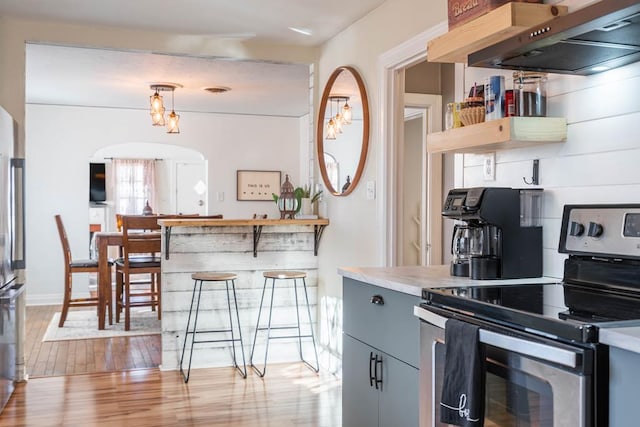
(518, 345)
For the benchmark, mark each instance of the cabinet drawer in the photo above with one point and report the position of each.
(390, 327)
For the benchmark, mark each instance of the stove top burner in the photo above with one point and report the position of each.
(520, 307)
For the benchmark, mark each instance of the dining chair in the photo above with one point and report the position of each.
(72, 266)
(141, 245)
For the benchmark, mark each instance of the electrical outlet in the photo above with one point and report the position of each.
(489, 167)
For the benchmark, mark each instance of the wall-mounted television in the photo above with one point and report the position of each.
(97, 183)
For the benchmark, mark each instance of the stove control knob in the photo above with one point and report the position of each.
(577, 229)
(595, 229)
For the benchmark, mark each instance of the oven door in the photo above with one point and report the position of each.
(528, 383)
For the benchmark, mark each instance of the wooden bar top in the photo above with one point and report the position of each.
(197, 222)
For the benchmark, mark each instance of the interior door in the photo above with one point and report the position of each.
(191, 188)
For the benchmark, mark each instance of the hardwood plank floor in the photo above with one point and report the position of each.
(84, 356)
(109, 382)
(290, 395)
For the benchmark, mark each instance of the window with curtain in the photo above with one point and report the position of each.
(133, 184)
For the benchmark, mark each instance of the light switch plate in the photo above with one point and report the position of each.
(371, 190)
(489, 167)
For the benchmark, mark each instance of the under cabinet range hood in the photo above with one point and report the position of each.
(598, 37)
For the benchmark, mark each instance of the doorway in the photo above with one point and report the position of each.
(422, 114)
(392, 67)
(191, 188)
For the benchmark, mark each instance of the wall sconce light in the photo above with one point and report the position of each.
(157, 106)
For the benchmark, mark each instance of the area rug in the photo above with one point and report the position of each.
(81, 325)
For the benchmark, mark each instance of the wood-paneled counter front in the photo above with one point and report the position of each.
(247, 248)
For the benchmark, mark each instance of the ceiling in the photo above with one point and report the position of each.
(65, 75)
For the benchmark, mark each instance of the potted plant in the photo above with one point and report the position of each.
(306, 199)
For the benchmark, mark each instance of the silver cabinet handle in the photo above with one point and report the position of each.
(518, 345)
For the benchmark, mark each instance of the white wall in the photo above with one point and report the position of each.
(352, 237)
(58, 169)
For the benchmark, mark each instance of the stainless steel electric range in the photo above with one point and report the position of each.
(544, 363)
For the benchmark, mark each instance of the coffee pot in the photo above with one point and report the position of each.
(485, 252)
(461, 250)
(498, 232)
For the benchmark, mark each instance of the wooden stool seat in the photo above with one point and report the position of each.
(284, 274)
(208, 276)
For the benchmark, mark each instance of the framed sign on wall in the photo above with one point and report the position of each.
(257, 185)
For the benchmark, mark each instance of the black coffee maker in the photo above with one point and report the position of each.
(500, 233)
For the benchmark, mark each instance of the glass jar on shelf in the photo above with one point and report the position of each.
(530, 94)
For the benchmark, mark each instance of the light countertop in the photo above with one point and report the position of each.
(412, 280)
(624, 335)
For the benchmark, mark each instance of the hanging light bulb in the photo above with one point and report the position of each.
(347, 114)
(338, 118)
(331, 129)
(174, 119)
(331, 125)
(157, 109)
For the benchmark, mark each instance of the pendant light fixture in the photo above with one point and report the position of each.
(347, 113)
(157, 109)
(174, 119)
(331, 124)
(157, 106)
(334, 126)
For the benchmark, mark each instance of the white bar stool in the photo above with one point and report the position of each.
(284, 275)
(198, 280)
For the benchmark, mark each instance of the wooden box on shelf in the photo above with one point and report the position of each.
(461, 11)
(509, 132)
(490, 28)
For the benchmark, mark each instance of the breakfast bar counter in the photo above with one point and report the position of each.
(246, 247)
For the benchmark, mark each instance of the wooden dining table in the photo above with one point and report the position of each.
(105, 239)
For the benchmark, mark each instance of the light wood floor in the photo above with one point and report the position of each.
(54, 358)
(289, 395)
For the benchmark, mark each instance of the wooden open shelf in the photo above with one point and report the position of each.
(493, 27)
(509, 132)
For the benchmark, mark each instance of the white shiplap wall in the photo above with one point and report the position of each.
(599, 162)
(230, 249)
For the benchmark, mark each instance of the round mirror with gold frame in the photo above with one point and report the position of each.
(343, 131)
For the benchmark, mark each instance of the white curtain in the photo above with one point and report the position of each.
(133, 184)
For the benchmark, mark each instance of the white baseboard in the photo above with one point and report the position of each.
(44, 299)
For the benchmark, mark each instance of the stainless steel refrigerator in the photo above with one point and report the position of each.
(12, 252)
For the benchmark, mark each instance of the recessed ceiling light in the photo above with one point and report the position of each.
(599, 68)
(217, 89)
(305, 31)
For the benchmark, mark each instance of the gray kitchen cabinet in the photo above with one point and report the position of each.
(624, 385)
(380, 378)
